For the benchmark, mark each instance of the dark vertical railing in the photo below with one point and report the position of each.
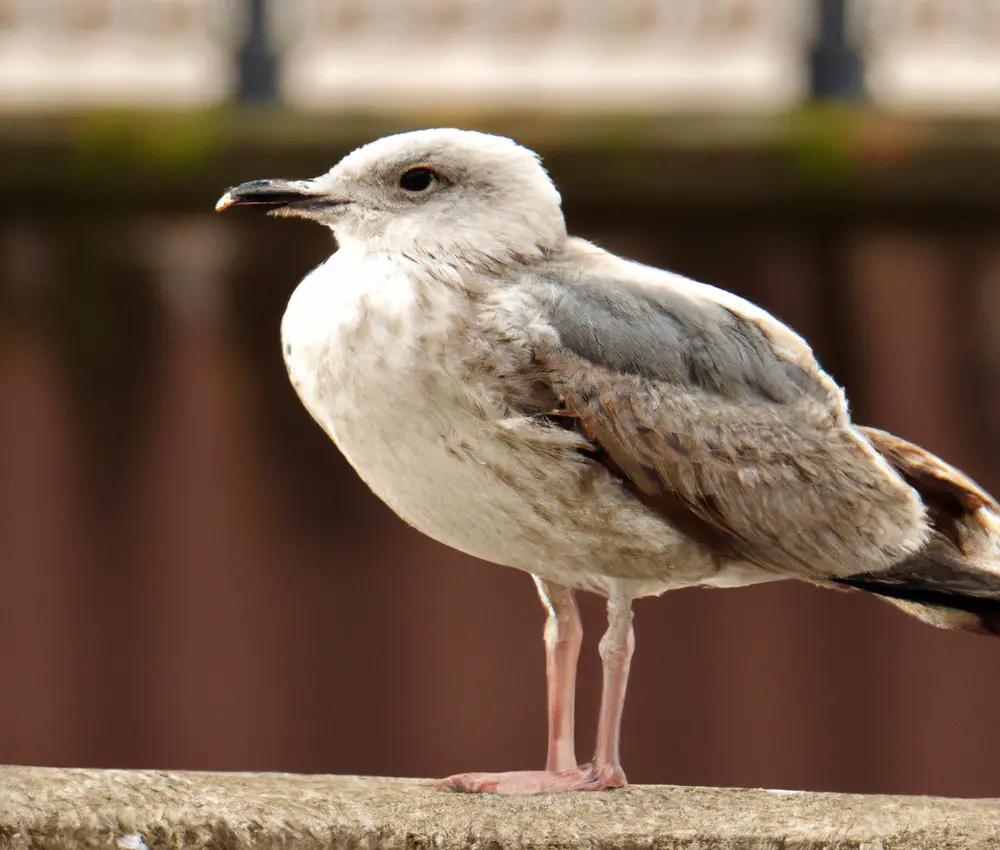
(258, 65)
(837, 71)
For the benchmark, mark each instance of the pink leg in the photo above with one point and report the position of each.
(562, 643)
(616, 649)
(563, 636)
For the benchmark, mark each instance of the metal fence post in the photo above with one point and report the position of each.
(837, 68)
(257, 63)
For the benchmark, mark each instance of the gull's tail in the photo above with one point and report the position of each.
(953, 582)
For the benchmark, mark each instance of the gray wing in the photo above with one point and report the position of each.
(689, 403)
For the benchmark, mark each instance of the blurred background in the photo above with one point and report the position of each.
(191, 576)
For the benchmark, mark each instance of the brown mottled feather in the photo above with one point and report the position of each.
(952, 499)
(787, 487)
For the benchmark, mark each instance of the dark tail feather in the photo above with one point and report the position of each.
(938, 591)
(954, 581)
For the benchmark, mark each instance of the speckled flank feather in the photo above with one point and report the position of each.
(398, 380)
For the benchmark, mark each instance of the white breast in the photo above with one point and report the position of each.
(376, 354)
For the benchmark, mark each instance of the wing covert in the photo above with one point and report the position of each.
(701, 416)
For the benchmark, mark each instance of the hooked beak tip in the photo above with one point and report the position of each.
(226, 201)
(268, 193)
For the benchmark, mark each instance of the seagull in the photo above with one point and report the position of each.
(532, 400)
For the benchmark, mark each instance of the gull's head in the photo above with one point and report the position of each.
(434, 193)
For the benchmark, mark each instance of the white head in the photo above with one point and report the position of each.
(446, 194)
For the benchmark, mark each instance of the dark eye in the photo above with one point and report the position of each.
(417, 179)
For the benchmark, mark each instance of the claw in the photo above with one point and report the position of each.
(584, 778)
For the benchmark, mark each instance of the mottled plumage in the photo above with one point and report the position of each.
(532, 400)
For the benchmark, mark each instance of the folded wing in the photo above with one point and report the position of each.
(711, 417)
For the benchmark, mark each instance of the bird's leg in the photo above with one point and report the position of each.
(563, 636)
(616, 650)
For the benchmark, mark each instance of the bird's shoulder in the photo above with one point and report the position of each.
(635, 320)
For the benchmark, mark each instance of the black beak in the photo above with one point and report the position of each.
(269, 193)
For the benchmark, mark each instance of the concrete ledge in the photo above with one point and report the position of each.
(71, 808)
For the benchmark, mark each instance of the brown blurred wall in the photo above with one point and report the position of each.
(191, 576)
